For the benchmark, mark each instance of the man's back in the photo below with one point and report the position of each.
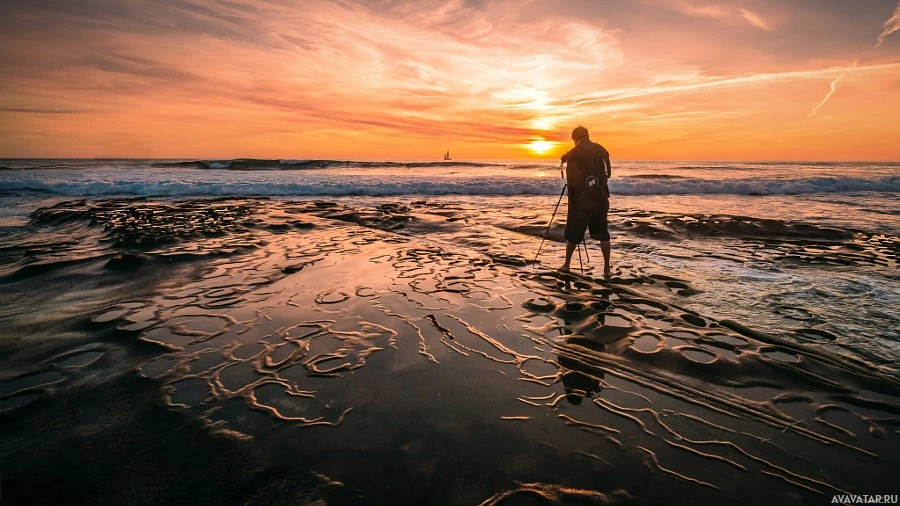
(587, 159)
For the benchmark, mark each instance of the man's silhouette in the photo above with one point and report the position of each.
(587, 174)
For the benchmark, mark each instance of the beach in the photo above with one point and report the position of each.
(310, 332)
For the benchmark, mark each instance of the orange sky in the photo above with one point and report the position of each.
(651, 79)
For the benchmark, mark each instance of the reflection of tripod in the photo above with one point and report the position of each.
(555, 209)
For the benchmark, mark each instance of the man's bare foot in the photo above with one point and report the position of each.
(606, 273)
(563, 269)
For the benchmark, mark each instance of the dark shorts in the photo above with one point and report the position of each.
(587, 215)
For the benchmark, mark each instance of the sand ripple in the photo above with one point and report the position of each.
(302, 328)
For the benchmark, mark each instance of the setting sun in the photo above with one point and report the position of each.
(540, 146)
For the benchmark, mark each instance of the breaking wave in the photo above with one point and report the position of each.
(328, 184)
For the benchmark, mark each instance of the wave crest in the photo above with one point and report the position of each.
(310, 184)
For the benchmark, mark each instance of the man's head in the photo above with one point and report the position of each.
(580, 134)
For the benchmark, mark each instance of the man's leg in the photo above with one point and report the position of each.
(570, 248)
(604, 247)
(600, 230)
(576, 224)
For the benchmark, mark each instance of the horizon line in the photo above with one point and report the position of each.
(438, 160)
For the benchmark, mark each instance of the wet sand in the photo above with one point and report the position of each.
(253, 351)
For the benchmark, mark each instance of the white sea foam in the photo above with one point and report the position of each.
(187, 183)
(754, 186)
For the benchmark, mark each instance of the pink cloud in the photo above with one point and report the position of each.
(724, 13)
(890, 26)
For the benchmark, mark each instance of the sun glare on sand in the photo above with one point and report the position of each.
(540, 146)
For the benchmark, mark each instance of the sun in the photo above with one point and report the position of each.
(540, 146)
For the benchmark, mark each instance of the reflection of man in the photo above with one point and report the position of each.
(586, 177)
(579, 381)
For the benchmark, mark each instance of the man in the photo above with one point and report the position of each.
(586, 176)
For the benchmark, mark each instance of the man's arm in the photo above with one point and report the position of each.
(608, 166)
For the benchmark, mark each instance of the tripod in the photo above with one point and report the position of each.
(563, 192)
(547, 232)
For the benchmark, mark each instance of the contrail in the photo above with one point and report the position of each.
(614, 95)
(890, 26)
(831, 91)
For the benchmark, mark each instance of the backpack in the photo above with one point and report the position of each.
(595, 182)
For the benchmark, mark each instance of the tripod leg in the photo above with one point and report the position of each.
(555, 209)
(580, 266)
(587, 257)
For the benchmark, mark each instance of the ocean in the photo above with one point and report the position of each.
(772, 285)
(852, 195)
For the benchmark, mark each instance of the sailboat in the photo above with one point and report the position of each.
(447, 155)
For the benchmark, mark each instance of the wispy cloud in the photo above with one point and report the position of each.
(831, 89)
(693, 9)
(890, 26)
(42, 110)
(719, 12)
(754, 19)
